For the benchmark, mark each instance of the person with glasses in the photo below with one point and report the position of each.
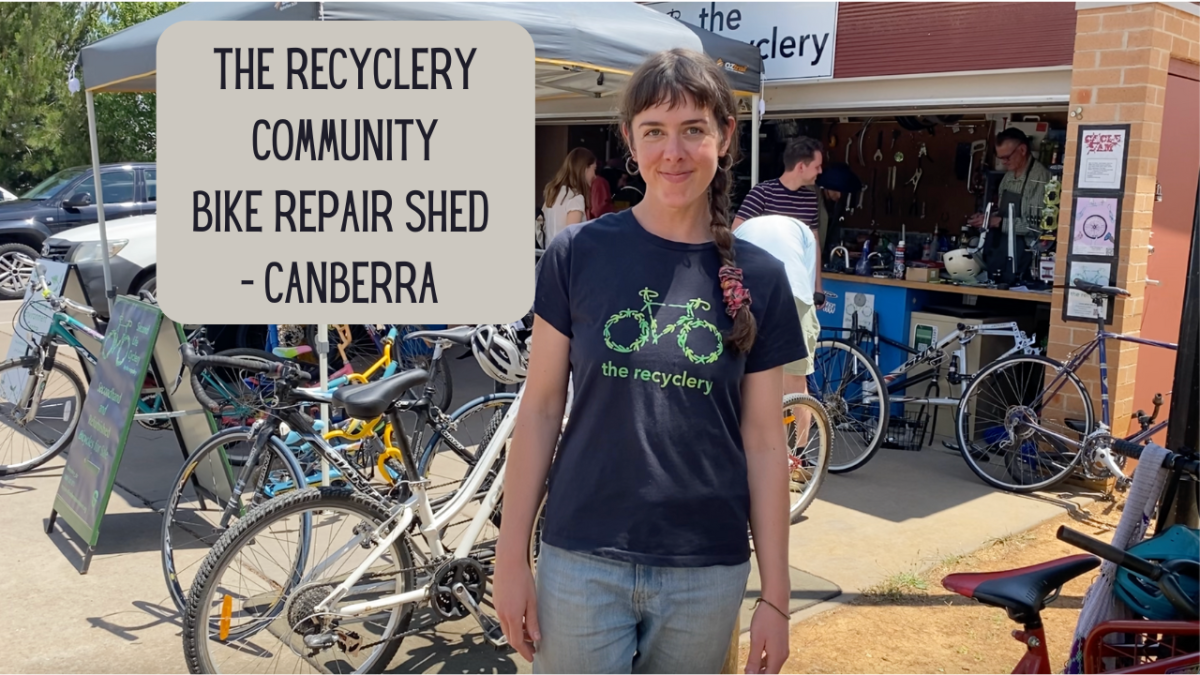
(1023, 186)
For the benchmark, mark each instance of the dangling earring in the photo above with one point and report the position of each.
(725, 165)
(634, 170)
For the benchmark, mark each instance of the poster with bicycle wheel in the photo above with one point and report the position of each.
(30, 324)
(1094, 231)
(99, 442)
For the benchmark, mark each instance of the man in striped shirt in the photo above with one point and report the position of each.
(793, 194)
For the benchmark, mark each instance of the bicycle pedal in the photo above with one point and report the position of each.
(494, 634)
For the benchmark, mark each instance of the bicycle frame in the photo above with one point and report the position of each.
(418, 506)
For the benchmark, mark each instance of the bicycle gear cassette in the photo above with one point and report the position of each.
(467, 571)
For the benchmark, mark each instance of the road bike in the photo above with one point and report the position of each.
(278, 455)
(859, 397)
(41, 395)
(647, 328)
(1137, 645)
(1026, 423)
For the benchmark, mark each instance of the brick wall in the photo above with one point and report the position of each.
(1119, 74)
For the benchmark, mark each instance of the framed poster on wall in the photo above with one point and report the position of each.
(1095, 226)
(1100, 161)
(1079, 305)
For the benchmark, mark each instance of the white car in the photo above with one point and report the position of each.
(132, 245)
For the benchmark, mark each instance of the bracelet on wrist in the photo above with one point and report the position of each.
(772, 606)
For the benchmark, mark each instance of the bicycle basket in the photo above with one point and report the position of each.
(907, 432)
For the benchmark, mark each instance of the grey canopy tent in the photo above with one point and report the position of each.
(581, 49)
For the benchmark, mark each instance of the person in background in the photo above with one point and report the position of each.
(838, 185)
(793, 194)
(566, 196)
(601, 201)
(674, 453)
(1023, 186)
(630, 192)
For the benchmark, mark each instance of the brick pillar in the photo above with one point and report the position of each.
(1119, 75)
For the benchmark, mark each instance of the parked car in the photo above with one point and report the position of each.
(64, 201)
(132, 245)
(6, 196)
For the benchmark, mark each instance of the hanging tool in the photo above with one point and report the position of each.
(923, 152)
(891, 180)
(861, 192)
(879, 147)
(862, 140)
(874, 201)
(895, 137)
(849, 144)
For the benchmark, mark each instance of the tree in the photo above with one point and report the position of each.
(43, 126)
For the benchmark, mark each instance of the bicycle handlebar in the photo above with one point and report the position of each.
(1164, 575)
(1173, 461)
(197, 364)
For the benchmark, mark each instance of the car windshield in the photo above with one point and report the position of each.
(49, 187)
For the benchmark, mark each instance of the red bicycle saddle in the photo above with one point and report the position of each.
(1021, 591)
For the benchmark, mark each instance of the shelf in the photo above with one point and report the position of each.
(945, 287)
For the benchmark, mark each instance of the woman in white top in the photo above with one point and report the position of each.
(566, 197)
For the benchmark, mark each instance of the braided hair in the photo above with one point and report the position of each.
(673, 78)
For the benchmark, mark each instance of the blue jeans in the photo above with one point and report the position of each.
(606, 616)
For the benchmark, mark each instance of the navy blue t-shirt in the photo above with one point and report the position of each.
(651, 468)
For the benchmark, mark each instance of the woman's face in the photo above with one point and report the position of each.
(677, 151)
(590, 174)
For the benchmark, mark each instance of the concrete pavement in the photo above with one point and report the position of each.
(904, 510)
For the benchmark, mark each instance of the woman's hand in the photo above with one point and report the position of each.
(768, 641)
(515, 598)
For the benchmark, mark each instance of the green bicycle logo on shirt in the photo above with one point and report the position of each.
(648, 328)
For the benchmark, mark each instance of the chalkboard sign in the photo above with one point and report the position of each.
(95, 452)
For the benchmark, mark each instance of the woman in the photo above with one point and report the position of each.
(675, 335)
(567, 196)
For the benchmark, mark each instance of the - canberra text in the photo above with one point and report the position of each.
(356, 282)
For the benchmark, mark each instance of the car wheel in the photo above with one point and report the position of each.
(149, 284)
(14, 274)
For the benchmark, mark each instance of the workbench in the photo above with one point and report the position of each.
(1030, 296)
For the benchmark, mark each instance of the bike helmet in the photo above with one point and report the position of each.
(1143, 596)
(500, 353)
(962, 265)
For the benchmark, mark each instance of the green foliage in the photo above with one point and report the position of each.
(43, 126)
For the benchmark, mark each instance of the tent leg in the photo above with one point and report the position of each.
(109, 291)
(754, 124)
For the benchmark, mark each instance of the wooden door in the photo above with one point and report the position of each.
(1178, 167)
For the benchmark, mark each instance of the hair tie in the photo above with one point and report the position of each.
(736, 295)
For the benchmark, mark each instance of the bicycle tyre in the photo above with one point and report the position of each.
(825, 429)
(274, 447)
(836, 407)
(961, 411)
(55, 448)
(195, 631)
(436, 442)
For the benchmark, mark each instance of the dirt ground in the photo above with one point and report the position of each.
(910, 624)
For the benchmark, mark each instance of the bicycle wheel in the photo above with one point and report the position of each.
(28, 444)
(851, 388)
(192, 515)
(994, 416)
(250, 610)
(809, 445)
(450, 454)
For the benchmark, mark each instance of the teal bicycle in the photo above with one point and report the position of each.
(41, 395)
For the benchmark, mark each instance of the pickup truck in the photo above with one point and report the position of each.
(64, 201)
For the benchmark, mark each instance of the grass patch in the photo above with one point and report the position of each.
(1013, 539)
(897, 586)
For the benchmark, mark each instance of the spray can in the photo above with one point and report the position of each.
(898, 268)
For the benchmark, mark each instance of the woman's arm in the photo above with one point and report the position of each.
(574, 217)
(766, 461)
(535, 436)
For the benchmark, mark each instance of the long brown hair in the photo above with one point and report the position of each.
(573, 175)
(674, 78)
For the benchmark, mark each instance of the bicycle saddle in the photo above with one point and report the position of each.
(1022, 592)
(459, 336)
(368, 401)
(1096, 288)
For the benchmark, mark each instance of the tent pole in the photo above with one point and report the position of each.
(109, 291)
(754, 123)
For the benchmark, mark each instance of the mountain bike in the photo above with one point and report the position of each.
(330, 613)
(1026, 422)
(1136, 645)
(41, 396)
(859, 396)
(275, 457)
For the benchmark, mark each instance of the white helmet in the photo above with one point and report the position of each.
(962, 264)
(500, 353)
